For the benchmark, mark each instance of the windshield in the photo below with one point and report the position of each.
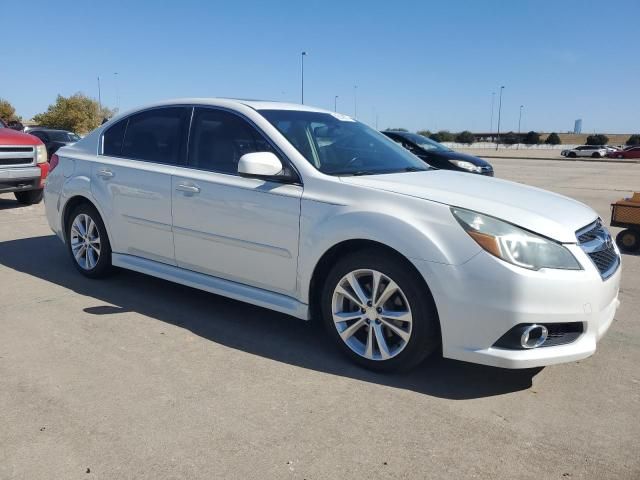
(425, 143)
(337, 145)
(63, 137)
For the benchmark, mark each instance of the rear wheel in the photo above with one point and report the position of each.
(595, 155)
(87, 242)
(379, 311)
(29, 197)
(628, 240)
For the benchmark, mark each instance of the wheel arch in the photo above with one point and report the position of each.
(71, 203)
(339, 250)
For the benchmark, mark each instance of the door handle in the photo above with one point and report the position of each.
(187, 188)
(104, 173)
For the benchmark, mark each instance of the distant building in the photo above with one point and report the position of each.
(577, 126)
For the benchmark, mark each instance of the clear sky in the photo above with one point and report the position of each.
(416, 64)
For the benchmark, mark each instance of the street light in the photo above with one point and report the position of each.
(499, 115)
(355, 102)
(99, 95)
(302, 92)
(493, 100)
(115, 77)
(519, 120)
(335, 103)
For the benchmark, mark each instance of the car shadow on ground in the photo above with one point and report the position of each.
(251, 329)
(7, 203)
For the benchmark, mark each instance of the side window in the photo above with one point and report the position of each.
(218, 139)
(40, 135)
(156, 135)
(112, 138)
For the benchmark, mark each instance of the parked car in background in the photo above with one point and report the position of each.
(53, 139)
(629, 152)
(439, 156)
(312, 213)
(23, 165)
(593, 151)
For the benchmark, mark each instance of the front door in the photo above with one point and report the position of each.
(240, 229)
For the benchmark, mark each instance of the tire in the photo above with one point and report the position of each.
(628, 241)
(29, 197)
(415, 328)
(92, 258)
(620, 156)
(572, 155)
(595, 155)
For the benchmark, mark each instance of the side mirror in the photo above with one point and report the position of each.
(263, 165)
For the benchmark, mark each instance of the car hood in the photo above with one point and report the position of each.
(453, 155)
(9, 136)
(546, 213)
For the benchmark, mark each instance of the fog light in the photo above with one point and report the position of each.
(533, 336)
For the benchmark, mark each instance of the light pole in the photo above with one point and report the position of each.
(115, 77)
(335, 103)
(304, 54)
(99, 96)
(355, 102)
(519, 120)
(499, 115)
(493, 100)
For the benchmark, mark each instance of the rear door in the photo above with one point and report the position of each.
(131, 180)
(240, 229)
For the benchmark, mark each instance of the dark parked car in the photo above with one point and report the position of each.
(54, 139)
(439, 156)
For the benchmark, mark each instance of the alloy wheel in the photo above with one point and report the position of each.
(372, 314)
(85, 241)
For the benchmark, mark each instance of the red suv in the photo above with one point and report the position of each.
(23, 165)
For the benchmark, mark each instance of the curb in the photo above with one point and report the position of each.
(567, 159)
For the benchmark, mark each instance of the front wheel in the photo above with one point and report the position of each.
(379, 311)
(87, 242)
(572, 155)
(29, 197)
(628, 241)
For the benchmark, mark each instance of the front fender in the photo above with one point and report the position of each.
(428, 233)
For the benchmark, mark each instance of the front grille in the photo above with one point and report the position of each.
(596, 242)
(18, 155)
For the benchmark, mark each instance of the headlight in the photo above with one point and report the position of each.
(466, 165)
(513, 244)
(41, 154)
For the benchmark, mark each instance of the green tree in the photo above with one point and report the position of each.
(598, 139)
(7, 112)
(442, 136)
(424, 133)
(77, 113)
(633, 140)
(465, 137)
(553, 139)
(532, 138)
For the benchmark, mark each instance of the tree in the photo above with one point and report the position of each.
(7, 112)
(442, 136)
(553, 139)
(598, 139)
(509, 138)
(532, 138)
(633, 140)
(77, 113)
(465, 137)
(424, 133)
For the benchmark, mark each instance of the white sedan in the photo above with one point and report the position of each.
(313, 214)
(593, 151)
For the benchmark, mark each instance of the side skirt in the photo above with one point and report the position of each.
(226, 288)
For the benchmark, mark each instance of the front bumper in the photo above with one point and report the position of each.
(482, 299)
(19, 179)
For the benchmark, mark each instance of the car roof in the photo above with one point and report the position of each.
(44, 129)
(222, 102)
